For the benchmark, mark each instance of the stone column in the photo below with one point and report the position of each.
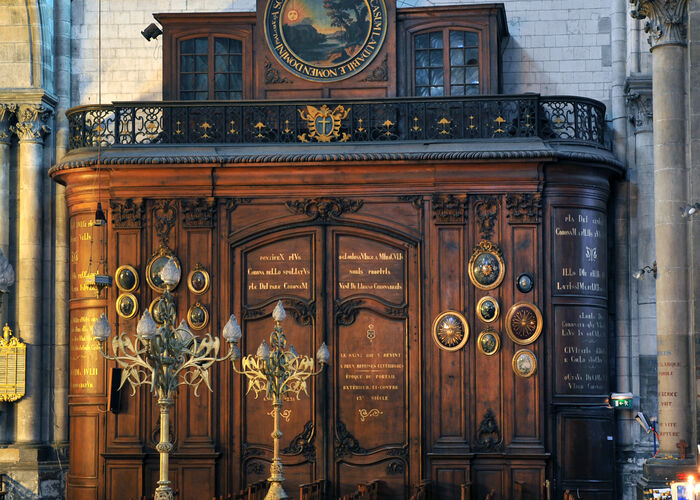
(666, 25)
(6, 113)
(30, 130)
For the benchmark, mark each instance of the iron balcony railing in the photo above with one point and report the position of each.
(560, 118)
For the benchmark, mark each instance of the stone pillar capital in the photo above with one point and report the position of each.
(667, 20)
(31, 122)
(6, 113)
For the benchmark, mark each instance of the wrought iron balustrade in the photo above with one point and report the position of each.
(559, 118)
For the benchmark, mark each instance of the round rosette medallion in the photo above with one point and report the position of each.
(524, 323)
(486, 267)
(450, 330)
(325, 41)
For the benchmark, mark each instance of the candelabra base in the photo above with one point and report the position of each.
(163, 491)
(275, 492)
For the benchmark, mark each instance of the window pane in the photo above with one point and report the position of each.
(436, 40)
(456, 57)
(422, 41)
(236, 63)
(436, 58)
(437, 77)
(187, 47)
(421, 77)
(456, 76)
(471, 39)
(221, 64)
(457, 90)
(236, 95)
(472, 57)
(422, 91)
(220, 81)
(456, 38)
(201, 64)
(472, 75)
(201, 45)
(200, 82)
(472, 90)
(186, 82)
(235, 82)
(186, 96)
(436, 91)
(201, 96)
(235, 46)
(186, 64)
(220, 45)
(421, 59)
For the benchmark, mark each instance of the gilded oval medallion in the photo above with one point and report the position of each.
(487, 309)
(450, 330)
(488, 342)
(486, 267)
(325, 40)
(524, 363)
(524, 323)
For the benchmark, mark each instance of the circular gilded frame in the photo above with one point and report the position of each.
(152, 309)
(524, 323)
(195, 323)
(119, 276)
(193, 279)
(525, 282)
(488, 342)
(156, 264)
(450, 330)
(524, 363)
(486, 260)
(121, 303)
(481, 304)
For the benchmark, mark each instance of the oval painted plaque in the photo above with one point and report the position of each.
(325, 40)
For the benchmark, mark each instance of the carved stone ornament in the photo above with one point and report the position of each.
(31, 122)
(164, 214)
(200, 212)
(7, 112)
(324, 209)
(380, 73)
(303, 443)
(486, 213)
(272, 74)
(488, 437)
(524, 208)
(667, 20)
(346, 443)
(450, 208)
(127, 214)
(640, 111)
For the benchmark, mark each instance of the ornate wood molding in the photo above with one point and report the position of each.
(416, 201)
(272, 74)
(164, 213)
(346, 312)
(395, 467)
(450, 208)
(667, 20)
(303, 443)
(524, 208)
(346, 443)
(302, 312)
(233, 203)
(488, 437)
(127, 214)
(400, 312)
(200, 212)
(380, 73)
(324, 209)
(486, 213)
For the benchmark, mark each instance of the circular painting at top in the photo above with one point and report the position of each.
(327, 40)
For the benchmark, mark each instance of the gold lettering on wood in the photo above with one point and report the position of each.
(13, 366)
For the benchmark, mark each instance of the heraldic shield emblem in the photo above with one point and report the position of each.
(324, 124)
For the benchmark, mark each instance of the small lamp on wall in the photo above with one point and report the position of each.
(151, 32)
(690, 210)
(639, 273)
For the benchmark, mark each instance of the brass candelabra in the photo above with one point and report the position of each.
(164, 357)
(280, 373)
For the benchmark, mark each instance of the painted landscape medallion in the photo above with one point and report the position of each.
(325, 40)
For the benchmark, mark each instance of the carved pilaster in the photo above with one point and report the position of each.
(200, 212)
(7, 111)
(164, 213)
(667, 20)
(524, 208)
(639, 104)
(127, 213)
(31, 122)
(450, 208)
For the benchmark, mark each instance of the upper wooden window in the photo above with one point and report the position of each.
(446, 62)
(204, 56)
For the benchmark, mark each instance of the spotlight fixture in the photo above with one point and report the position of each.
(688, 210)
(152, 31)
(639, 274)
(641, 420)
(100, 219)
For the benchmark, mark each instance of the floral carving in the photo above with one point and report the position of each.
(200, 212)
(302, 312)
(346, 312)
(524, 208)
(233, 203)
(380, 73)
(346, 443)
(450, 208)
(164, 213)
(667, 20)
(127, 213)
(6, 113)
(272, 74)
(324, 209)
(416, 201)
(486, 212)
(31, 122)
(488, 437)
(303, 443)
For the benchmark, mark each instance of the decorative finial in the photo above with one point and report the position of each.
(323, 354)
(232, 330)
(279, 314)
(263, 351)
(170, 274)
(101, 330)
(146, 327)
